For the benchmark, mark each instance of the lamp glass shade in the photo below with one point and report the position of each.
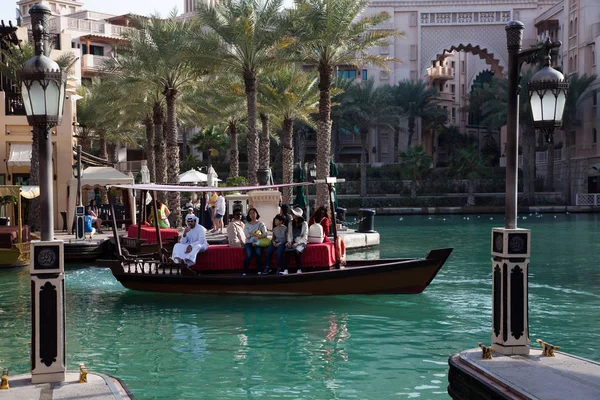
(561, 100)
(52, 98)
(26, 101)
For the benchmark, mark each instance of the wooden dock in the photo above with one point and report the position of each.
(533, 376)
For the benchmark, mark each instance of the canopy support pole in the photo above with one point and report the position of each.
(114, 226)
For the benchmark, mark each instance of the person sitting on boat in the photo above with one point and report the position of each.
(235, 230)
(297, 237)
(320, 216)
(192, 242)
(163, 215)
(92, 211)
(278, 242)
(254, 231)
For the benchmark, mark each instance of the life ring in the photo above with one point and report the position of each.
(340, 249)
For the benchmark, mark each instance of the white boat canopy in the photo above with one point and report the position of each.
(176, 188)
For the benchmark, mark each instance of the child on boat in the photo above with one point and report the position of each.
(278, 242)
(297, 237)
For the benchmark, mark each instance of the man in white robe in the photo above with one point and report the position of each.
(192, 242)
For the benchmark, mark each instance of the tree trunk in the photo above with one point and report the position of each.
(324, 133)
(364, 135)
(287, 158)
(34, 179)
(103, 153)
(158, 119)
(264, 160)
(85, 140)
(411, 130)
(173, 157)
(252, 143)
(413, 187)
(471, 191)
(234, 153)
(549, 182)
(150, 155)
(396, 142)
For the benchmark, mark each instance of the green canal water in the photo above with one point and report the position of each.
(345, 347)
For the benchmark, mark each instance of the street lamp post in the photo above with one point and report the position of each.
(511, 245)
(43, 91)
(80, 209)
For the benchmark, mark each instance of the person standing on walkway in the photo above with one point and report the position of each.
(219, 212)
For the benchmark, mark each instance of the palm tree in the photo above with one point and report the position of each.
(578, 92)
(211, 140)
(416, 100)
(331, 33)
(291, 95)
(367, 107)
(243, 38)
(469, 163)
(417, 162)
(222, 102)
(158, 54)
(492, 101)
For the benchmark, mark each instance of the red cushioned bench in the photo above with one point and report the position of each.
(221, 257)
(149, 233)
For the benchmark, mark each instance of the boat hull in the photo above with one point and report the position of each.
(398, 276)
(11, 258)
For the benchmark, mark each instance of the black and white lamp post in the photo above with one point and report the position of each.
(511, 245)
(43, 91)
(79, 209)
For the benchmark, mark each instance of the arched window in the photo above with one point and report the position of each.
(570, 28)
(594, 135)
(570, 64)
(575, 67)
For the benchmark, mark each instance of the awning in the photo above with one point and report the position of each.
(28, 192)
(20, 155)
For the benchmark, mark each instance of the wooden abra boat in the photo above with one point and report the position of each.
(15, 240)
(218, 270)
(390, 276)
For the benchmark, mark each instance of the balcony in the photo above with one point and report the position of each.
(13, 103)
(441, 73)
(92, 64)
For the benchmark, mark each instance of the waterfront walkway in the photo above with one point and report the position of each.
(530, 376)
(98, 387)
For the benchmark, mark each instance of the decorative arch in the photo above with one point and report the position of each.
(486, 41)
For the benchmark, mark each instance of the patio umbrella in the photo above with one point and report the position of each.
(300, 199)
(193, 176)
(212, 178)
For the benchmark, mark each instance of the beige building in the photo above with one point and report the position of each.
(459, 44)
(91, 37)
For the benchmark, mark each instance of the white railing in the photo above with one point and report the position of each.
(91, 62)
(541, 157)
(588, 199)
